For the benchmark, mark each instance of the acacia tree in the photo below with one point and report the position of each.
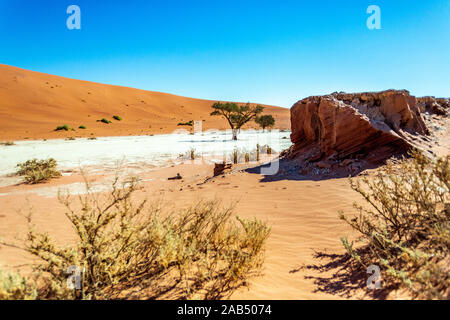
(236, 115)
(265, 121)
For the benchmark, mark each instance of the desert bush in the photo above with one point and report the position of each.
(190, 154)
(406, 230)
(82, 127)
(267, 149)
(118, 118)
(196, 252)
(104, 120)
(15, 287)
(64, 127)
(37, 171)
(7, 143)
(189, 123)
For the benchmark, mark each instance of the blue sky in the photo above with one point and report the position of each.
(266, 51)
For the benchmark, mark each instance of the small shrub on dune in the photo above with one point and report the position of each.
(199, 252)
(118, 118)
(82, 127)
(37, 171)
(406, 230)
(189, 123)
(104, 120)
(63, 127)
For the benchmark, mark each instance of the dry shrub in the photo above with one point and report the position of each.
(407, 228)
(122, 243)
(15, 287)
(37, 171)
(7, 143)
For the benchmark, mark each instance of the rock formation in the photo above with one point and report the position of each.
(342, 128)
(439, 106)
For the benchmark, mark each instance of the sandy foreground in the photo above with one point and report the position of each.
(303, 215)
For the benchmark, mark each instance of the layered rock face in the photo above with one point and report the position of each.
(439, 106)
(371, 126)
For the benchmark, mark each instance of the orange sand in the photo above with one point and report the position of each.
(33, 104)
(303, 216)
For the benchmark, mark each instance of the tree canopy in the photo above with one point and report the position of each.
(265, 121)
(236, 115)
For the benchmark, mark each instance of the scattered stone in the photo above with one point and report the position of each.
(178, 177)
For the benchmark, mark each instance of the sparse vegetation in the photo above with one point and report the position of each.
(122, 244)
(38, 171)
(64, 127)
(7, 143)
(189, 123)
(82, 127)
(406, 230)
(118, 118)
(104, 120)
(236, 115)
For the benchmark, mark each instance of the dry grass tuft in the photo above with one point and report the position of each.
(407, 229)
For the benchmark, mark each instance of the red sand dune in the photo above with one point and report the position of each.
(33, 104)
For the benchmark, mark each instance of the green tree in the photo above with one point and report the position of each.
(235, 114)
(265, 121)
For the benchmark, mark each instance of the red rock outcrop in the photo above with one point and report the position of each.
(439, 106)
(371, 126)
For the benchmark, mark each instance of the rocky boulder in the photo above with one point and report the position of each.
(369, 126)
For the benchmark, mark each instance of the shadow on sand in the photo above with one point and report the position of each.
(342, 277)
(290, 170)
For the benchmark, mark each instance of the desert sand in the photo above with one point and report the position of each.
(303, 215)
(33, 104)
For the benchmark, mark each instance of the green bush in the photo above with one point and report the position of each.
(37, 171)
(82, 127)
(406, 230)
(189, 123)
(104, 120)
(63, 127)
(117, 118)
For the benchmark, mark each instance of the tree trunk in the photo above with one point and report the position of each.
(235, 131)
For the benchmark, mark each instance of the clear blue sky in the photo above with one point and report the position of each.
(273, 52)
